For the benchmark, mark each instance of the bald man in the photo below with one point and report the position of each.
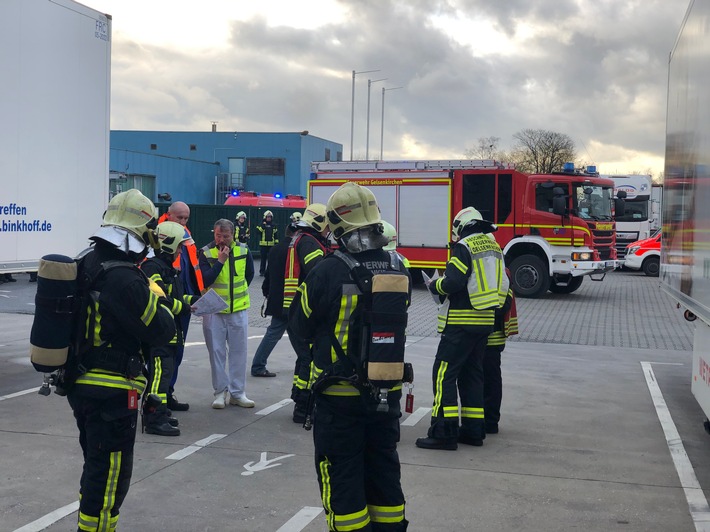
(191, 277)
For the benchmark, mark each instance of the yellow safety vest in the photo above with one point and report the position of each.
(231, 284)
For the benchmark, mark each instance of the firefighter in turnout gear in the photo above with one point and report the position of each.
(161, 361)
(306, 249)
(123, 314)
(269, 238)
(241, 228)
(355, 431)
(474, 286)
(506, 325)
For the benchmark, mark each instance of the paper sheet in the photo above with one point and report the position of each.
(427, 281)
(210, 303)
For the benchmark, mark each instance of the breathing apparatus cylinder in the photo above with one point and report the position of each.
(55, 307)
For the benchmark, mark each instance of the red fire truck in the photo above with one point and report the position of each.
(554, 229)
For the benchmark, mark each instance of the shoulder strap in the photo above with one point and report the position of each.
(358, 273)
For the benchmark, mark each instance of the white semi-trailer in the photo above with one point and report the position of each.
(55, 59)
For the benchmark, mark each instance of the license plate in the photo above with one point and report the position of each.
(610, 264)
(604, 227)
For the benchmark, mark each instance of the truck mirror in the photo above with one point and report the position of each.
(621, 194)
(619, 206)
(559, 205)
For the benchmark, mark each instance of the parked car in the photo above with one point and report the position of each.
(645, 255)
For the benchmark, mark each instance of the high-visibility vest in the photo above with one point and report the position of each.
(192, 255)
(231, 285)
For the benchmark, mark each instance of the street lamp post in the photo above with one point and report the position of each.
(382, 119)
(367, 142)
(352, 109)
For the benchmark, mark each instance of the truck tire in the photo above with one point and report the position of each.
(651, 266)
(530, 276)
(571, 286)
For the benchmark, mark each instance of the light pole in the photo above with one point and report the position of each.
(352, 109)
(367, 142)
(382, 119)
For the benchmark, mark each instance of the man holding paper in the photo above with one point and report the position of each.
(228, 268)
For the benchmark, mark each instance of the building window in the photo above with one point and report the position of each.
(153, 146)
(193, 147)
(266, 166)
(327, 154)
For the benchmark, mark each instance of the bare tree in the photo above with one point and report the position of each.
(539, 151)
(487, 148)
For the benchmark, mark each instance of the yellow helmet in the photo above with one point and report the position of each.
(135, 213)
(314, 216)
(268, 213)
(171, 235)
(351, 207)
(391, 233)
(466, 217)
(295, 217)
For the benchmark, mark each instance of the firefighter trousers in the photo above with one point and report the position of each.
(300, 390)
(161, 365)
(357, 464)
(107, 433)
(458, 372)
(492, 385)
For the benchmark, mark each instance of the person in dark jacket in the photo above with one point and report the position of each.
(123, 315)
(268, 239)
(355, 439)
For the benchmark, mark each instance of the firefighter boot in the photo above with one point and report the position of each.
(158, 423)
(445, 444)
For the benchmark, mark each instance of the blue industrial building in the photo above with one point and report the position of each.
(202, 167)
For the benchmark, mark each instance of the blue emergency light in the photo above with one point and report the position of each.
(568, 167)
(277, 195)
(235, 193)
(591, 169)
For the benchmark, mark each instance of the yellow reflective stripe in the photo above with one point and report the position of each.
(437, 285)
(151, 309)
(108, 380)
(347, 304)
(342, 390)
(304, 300)
(354, 521)
(300, 383)
(438, 389)
(451, 411)
(324, 470)
(471, 412)
(386, 514)
(88, 522)
(110, 493)
(157, 373)
(511, 327)
(459, 265)
(312, 255)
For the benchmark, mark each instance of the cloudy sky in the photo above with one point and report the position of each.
(595, 70)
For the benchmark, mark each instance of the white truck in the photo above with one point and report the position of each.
(635, 223)
(55, 59)
(685, 250)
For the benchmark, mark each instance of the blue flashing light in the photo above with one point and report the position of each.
(568, 167)
(235, 193)
(277, 195)
(591, 169)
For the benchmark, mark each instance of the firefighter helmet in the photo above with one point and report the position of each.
(391, 233)
(351, 207)
(467, 217)
(295, 217)
(268, 213)
(314, 216)
(240, 214)
(171, 235)
(135, 213)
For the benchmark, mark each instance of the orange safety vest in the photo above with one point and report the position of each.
(192, 255)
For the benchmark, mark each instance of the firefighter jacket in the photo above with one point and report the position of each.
(506, 322)
(269, 234)
(230, 280)
(161, 271)
(321, 313)
(241, 232)
(474, 282)
(122, 315)
(273, 286)
(304, 252)
(193, 275)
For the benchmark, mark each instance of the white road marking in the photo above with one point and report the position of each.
(50, 518)
(273, 408)
(18, 394)
(187, 451)
(697, 503)
(263, 463)
(415, 416)
(301, 520)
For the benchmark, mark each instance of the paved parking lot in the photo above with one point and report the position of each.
(581, 446)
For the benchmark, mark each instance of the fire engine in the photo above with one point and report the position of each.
(554, 229)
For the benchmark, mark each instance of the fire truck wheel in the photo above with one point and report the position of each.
(568, 288)
(530, 275)
(651, 266)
